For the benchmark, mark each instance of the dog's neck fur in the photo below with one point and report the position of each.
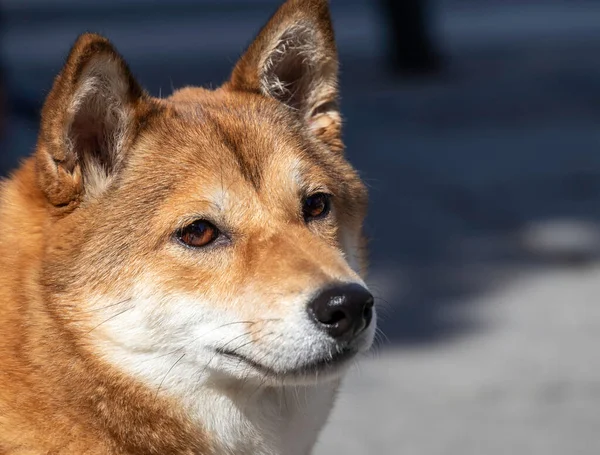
(243, 417)
(240, 418)
(281, 420)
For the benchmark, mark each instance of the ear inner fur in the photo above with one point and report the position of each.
(294, 61)
(86, 122)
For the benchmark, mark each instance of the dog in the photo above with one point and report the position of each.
(184, 275)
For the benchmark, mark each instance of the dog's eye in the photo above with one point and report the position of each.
(198, 234)
(316, 206)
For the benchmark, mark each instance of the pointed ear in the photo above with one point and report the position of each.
(294, 60)
(86, 122)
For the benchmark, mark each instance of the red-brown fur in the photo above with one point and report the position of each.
(63, 241)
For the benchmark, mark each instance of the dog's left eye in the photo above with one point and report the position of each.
(198, 234)
(316, 206)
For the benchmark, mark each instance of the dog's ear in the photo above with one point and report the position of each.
(87, 121)
(294, 60)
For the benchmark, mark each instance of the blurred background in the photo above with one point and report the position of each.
(476, 124)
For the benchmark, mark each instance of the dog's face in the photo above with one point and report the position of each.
(220, 228)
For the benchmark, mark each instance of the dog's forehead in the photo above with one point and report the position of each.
(225, 138)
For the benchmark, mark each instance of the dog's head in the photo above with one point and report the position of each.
(220, 228)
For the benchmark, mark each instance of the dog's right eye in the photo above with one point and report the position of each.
(198, 234)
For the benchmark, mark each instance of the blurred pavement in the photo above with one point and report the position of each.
(485, 188)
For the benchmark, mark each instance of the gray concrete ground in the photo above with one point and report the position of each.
(485, 188)
(526, 382)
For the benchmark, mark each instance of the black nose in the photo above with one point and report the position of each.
(343, 311)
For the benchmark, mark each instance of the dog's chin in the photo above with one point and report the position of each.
(327, 368)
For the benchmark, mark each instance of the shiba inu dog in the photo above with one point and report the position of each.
(183, 275)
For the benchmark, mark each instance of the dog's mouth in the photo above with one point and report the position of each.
(321, 367)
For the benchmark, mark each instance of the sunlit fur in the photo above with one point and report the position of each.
(117, 338)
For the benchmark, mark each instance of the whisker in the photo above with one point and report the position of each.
(257, 321)
(387, 303)
(166, 374)
(249, 369)
(110, 318)
(107, 306)
(381, 333)
(264, 375)
(226, 344)
(237, 348)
